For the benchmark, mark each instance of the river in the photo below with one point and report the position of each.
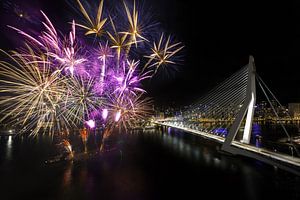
(152, 164)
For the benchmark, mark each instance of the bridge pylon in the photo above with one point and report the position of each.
(236, 97)
(247, 110)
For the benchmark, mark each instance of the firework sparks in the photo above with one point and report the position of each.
(128, 112)
(31, 93)
(119, 42)
(49, 38)
(91, 123)
(104, 53)
(39, 95)
(118, 116)
(67, 146)
(96, 26)
(80, 100)
(162, 54)
(127, 81)
(104, 114)
(134, 28)
(68, 59)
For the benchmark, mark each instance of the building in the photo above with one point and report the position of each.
(294, 109)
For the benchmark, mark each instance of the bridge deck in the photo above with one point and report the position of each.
(267, 153)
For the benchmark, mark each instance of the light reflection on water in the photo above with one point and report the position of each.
(67, 176)
(207, 154)
(188, 148)
(6, 146)
(182, 158)
(9, 147)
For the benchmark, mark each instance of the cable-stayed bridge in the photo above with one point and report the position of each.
(226, 115)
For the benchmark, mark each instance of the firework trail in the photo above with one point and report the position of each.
(67, 145)
(84, 137)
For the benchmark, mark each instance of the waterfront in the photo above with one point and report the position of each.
(155, 164)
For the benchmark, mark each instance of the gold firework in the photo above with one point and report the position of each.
(80, 100)
(162, 54)
(134, 28)
(30, 93)
(119, 42)
(131, 111)
(96, 26)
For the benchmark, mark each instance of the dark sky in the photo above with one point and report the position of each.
(218, 38)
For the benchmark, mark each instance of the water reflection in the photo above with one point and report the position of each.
(187, 146)
(141, 172)
(178, 144)
(67, 176)
(9, 147)
(6, 145)
(209, 155)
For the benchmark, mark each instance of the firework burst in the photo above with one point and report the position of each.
(134, 27)
(93, 26)
(67, 56)
(127, 81)
(57, 82)
(119, 41)
(129, 112)
(163, 53)
(31, 93)
(80, 100)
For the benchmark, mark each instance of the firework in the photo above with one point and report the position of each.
(96, 26)
(67, 55)
(31, 94)
(67, 146)
(104, 113)
(84, 137)
(119, 41)
(58, 82)
(48, 39)
(104, 54)
(80, 100)
(118, 115)
(129, 112)
(163, 53)
(134, 28)
(127, 81)
(91, 123)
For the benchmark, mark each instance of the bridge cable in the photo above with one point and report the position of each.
(277, 116)
(227, 96)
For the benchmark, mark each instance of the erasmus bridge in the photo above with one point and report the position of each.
(229, 110)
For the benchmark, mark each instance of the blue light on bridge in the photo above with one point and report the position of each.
(221, 131)
(256, 134)
(169, 130)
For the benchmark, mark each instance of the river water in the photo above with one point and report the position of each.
(154, 164)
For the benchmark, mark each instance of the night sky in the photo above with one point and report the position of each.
(218, 39)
